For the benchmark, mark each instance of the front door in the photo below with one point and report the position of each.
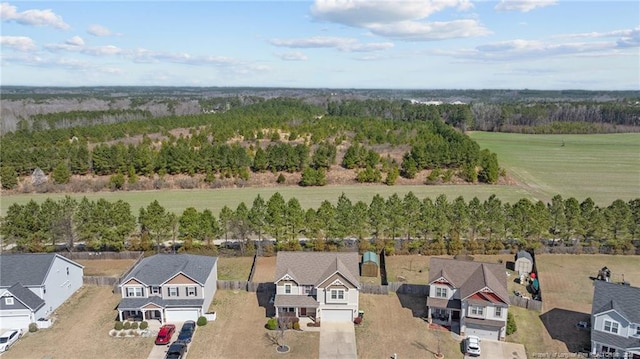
(303, 312)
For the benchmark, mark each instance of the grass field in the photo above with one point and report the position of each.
(604, 167)
(234, 268)
(106, 267)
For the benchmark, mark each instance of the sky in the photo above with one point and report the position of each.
(399, 44)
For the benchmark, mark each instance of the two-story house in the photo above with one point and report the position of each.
(615, 320)
(34, 285)
(469, 297)
(169, 288)
(321, 285)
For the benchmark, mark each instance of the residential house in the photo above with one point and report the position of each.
(169, 288)
(321, 285)
(615, 320)
(469, 297)
(33, 286)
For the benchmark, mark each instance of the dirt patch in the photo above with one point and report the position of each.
(239, 332)
(81, 330)
(265, 270)
(106, 267)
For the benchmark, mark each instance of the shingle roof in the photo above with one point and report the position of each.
(26, 296)
(295, 301)
(311, 268)
(622, 298)
(524, 254)
(28, 269)
(470, 277)
(137, 303)
(159, 268)
(370, 257)
(614, 340)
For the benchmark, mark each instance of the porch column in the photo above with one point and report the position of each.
(120, 315)
(144, 312)
(450, 317)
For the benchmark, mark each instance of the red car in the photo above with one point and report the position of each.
(165, 333)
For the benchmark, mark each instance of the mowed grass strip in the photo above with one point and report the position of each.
(604, 167)
(234, 268)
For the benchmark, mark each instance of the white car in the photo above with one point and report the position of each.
(472, 345)
(8, 338)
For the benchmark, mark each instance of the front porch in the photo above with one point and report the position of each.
(301, 306)
(139, 315)
(444, 313)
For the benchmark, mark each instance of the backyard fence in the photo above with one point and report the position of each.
(530, 304)
(100, 281)
(253, 267)
(397, 287)
(234, 285)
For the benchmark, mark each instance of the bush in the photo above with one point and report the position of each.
(358, 320)
(144, 325)
(281, 179)
(132, 332)
(122, 333)
(33, 327)
(272, 324)
(202, 321)
(118, 325)
(126, 325)
(134, 325)
(296, 325)
(511, 324)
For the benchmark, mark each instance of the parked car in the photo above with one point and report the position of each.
(472, 345)
(176, 350)
(165, 333)
(8, 338)
(186, 332)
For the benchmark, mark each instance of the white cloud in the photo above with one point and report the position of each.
(413, 30)
(340, 43)
(292, 56)
(20, 43)
(624, 38)
(523, 5)
(99, 30)
(34, 17)
(75, 41)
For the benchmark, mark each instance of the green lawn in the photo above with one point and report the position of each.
(604, 167)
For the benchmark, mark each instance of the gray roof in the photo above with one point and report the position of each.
(137, 303)
(484, 322)
(614, 340)
(26, 296)
(524, 254)
(159, 268)
(470, 277)
(312, 268)
(622, 298)
(287, 300)
(28, 269)
(443, 303)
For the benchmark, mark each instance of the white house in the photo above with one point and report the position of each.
(321, 285)
(33, 286)
(169, 288)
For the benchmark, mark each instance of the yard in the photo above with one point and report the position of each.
(106, 267)
(82, 331)
(234, 268)
(265, 270)
(239, 332)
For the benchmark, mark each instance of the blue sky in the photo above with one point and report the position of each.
(400, 44)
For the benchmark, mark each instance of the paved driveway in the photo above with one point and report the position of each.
(337, 341)
(493, 349)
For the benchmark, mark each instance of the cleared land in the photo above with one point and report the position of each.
(239, 332)
(82, 331)
(234, 268)
(106, 267)
(265, 270)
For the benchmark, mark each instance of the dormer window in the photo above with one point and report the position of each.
(441, 292)
(287, 288)
(611, 326)
(337, 294)
(8, 300)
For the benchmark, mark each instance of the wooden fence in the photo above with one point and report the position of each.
(101, 255)
(232, 284)
(526, 303)
(100, 281)
(253, 267)
(397, 287)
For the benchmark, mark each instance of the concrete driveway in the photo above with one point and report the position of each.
(338, 341)
(493, 349)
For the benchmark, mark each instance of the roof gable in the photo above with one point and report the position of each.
(159, 268)
(25, 296)
(312, 268)
(30, 269)
(621, 298)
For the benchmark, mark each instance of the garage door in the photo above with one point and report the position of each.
(14, 321)
(180, 315)
(482, 332)
(336, 315)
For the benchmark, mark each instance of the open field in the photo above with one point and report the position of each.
(239, 332)
(106, 267)
(82, 331)
(234, 268)
(604, 167)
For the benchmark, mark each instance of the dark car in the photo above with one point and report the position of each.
(176, 350)
(165, 333)
(186, 332)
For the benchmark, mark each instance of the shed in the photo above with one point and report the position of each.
(524, 263)
(370, 264)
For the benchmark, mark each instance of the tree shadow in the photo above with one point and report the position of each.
(561, 325)
(423, 346)
(416, 303)
(266, 294)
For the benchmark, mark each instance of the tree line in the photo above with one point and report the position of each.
(397, 224)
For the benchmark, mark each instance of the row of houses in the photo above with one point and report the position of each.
(469, 297)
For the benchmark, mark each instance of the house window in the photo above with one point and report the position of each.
(638, 330)
(67, 270)
(337, 294)
(441, 292)
(287, 288)
(173, 291)
(498, 312)
(606, 349)
(611, 327)
(476, 311)
(155, 290)
(134, 291)
(192, 291)
(8, 300)
(308, 289)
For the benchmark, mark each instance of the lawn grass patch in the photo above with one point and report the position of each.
(234, 268)
(106, 267)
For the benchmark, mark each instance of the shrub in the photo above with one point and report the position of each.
(202, 321)
(358, 320)
(134, 325)
(33, 327)
(116, 181)
(126, 325)
(281, 179)
(132, 332)
(118, 325)
(144, 325)
(511, 324)
(122, 333)
(296, 325)
(272, 324)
